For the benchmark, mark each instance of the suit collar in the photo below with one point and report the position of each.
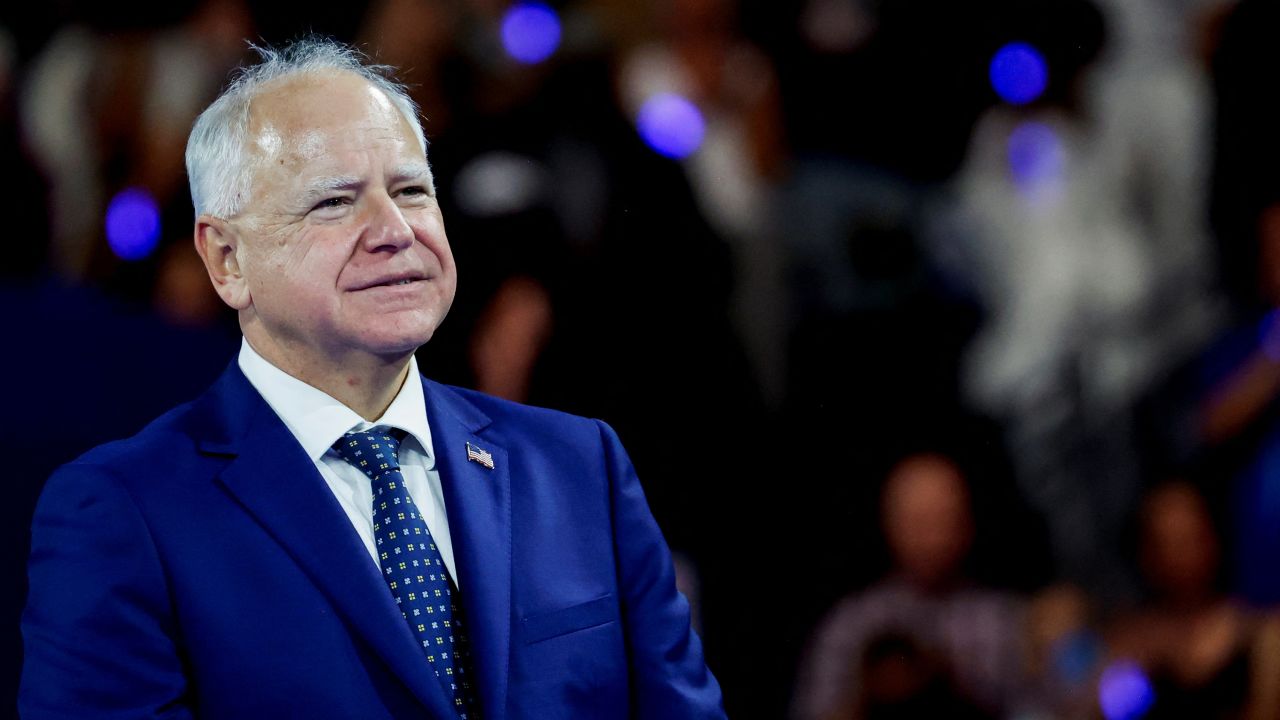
(478, 502)
(317, 419)
(278, 484)
(275, 481)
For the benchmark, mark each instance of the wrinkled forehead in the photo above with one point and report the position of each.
(302, 117)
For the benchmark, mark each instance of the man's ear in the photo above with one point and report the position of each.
(218, 244)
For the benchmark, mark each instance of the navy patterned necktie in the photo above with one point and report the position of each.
(412, 566)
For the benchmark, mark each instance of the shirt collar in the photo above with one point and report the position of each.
(318, 420)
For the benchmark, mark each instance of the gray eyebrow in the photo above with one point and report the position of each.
(323, 185)
(403, 172)
(417, 170)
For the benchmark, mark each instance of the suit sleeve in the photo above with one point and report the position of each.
(98, 629)
(669, 678)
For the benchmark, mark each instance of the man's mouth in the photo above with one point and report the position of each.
(392, 281)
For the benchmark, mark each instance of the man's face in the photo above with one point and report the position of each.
(342, 244)
(927, 520)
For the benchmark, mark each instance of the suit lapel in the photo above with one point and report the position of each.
(478, 504)
(280, 487)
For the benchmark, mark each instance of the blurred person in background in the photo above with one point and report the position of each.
(107, 105)
(879, 99)
(1086, 239)
(1219, 417)
(1229, 431)
(700, 55)
(955, 628)
(1228, 428)
(1204, 654)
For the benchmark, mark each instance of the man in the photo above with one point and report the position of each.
(325, 534)
(926, 621)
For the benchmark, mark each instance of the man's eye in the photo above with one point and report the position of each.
(414, 190)
(329, 203)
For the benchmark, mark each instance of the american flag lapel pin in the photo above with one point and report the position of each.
(484, 457)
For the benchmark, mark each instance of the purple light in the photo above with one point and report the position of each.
(133, 224)
(530, 32)
(1018, 73)
(671, 124)
(1037, 158)
(1124, 692)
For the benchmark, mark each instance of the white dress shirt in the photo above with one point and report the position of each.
(317, 421)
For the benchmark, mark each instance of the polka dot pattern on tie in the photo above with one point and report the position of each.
(412, 566)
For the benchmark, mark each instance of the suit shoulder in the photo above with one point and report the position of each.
(165, 437)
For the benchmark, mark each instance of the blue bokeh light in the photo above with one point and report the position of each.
(1124, 692)
(530, 32)
(671, 125)
(1019, 73)
(133, 224)
(1037, 157)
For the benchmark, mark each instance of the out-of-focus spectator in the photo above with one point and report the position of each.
(700, 56)
(105, 109)
(1088, 247)
(1204, 655)
(1233, 436)
(878, 100)
(1227, 405)
(976, 634)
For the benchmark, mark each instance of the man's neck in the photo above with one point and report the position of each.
(365, 384)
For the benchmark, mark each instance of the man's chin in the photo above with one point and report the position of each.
(397, 347)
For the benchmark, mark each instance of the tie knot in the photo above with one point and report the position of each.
(373, 453)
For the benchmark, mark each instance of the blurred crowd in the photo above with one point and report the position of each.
(944, 336)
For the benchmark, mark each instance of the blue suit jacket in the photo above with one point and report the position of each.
(203, 568)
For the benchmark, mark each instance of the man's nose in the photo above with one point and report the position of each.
(387, 228)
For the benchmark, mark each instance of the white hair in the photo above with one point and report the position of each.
(218, 157)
